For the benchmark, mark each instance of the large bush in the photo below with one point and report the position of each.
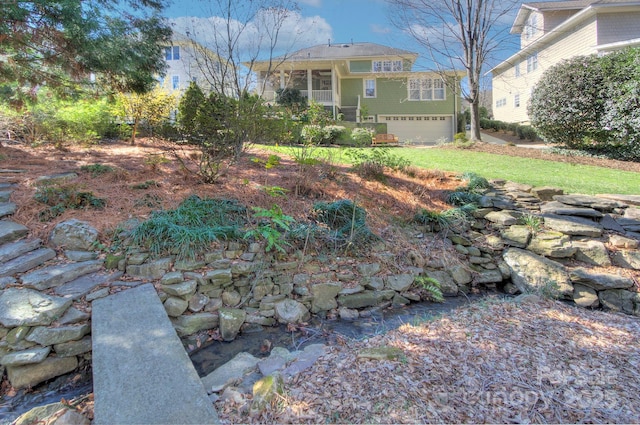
(591, 103)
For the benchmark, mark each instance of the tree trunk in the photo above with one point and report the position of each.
(132, 140)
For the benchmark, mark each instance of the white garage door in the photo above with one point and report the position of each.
(419, 128)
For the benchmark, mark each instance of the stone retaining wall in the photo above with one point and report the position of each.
(586, 251)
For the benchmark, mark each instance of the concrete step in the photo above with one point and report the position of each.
(81, 286)
(26, 262)
(11, 231)
(141, 372)
(12, 250)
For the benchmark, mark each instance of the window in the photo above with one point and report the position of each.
(501, 102)
(387, 66)
(172, 53)
(516, 70)
(531, 27)
(426, 89)
(516, 101)
(532, 62)
(369, 88)
(175, 82)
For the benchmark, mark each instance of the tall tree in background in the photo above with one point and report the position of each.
(457, 33)
(60, 42)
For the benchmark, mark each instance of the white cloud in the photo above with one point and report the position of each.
(380, 29)
(295, 33)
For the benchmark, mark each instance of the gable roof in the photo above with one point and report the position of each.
(346, 51)
(548, 6)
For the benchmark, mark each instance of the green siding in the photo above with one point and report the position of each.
(360, 66)
(392, 97)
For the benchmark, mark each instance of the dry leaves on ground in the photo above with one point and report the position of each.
(495, 361)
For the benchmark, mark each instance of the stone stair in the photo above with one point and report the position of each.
(141, 372)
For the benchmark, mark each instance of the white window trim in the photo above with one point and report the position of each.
(386, 66)
(428, 94)
(532, 62)
(516, 100)
(375, 88)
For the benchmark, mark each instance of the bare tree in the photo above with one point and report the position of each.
(457, 33)
(237, 35)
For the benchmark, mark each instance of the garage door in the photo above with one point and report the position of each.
(419, 128)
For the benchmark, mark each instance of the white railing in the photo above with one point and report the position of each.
(320, 96)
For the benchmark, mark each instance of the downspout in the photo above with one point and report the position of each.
(455, 108)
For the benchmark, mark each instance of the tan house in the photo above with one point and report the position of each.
(553, 31)
(368, 82)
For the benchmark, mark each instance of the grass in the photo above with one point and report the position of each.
(572, 178)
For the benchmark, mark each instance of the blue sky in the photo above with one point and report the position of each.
(341, 21)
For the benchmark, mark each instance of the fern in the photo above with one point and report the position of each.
(432, 287)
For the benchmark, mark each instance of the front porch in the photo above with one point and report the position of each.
(319, 85)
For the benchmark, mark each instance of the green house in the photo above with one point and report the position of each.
(367, 82)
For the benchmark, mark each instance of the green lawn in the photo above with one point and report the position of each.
(572, 178)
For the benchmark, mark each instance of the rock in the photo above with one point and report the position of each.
(448, 286)
(460, 274)
(546, 193)
(575, 226)
(11, 231)
(219, 278)
(56, 275)
(623, 242)
(592, 252)
(516, 235)
(175, 306)
(41, 414)
(9, 251)
(625, 199)
(489, 276)
(348, 313)
(44, 335)
(234, 369)
(231, 298)
(608, 222)
(510, 289)
(324, 296)
(70, 417)
(80, 255)
(26, 307)
(618, 300)
(627, 259)
(594, 202)
(563, 209)
(600, 281)
(375, 282)
(277, 360)
(230, 322)
(552, 244)
(152, 270)
(30, 356)
(459, 240)
(585, 296)
(73, 315)
(57, 177)
(83, 285)
(629, 224)
(189, 265)
(7, 208)
(632, 213)
(32, 375)
(99, 293)
(502, 218)
(171, 278)
(197, 302)
(399, 282)
(304, 360)
(27, 261)
(73, 348)
(265, 391)
(533, 273)
(183, 289)
(291, 311)
(73, 235)
(188, 325)
(399, 300)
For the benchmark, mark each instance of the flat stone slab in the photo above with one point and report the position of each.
(234, 369)
(627, 199)
(11, 231)
(26, 307)
(81, 286)
(588, 201)
(53, 276)
(27, 261)
(559, 208)
(576, 226)
(141, 372)
(13, 250)
(7, 208)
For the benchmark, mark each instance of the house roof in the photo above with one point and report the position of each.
(346, 51)
(591, 7)
(547, 6)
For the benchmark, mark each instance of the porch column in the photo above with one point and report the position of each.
(282, 78)
(333, 92)
(309, 84)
